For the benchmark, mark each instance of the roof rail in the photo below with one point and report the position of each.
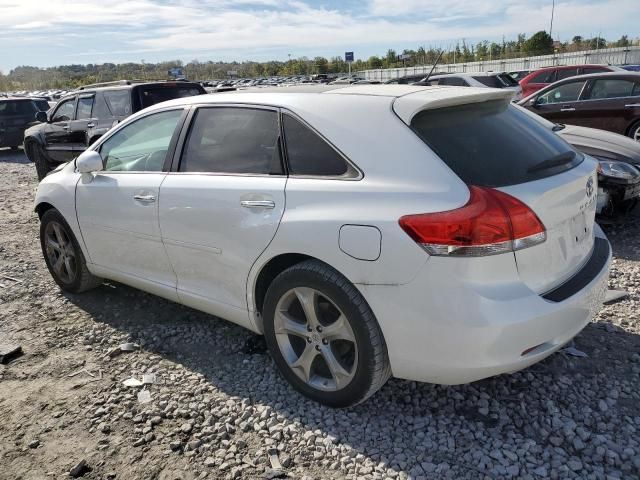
(105, 84)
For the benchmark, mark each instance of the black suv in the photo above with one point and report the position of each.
(83, 116)
(16, 115)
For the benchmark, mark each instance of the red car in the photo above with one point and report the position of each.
(546, 76)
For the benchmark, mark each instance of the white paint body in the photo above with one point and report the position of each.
(444, 320)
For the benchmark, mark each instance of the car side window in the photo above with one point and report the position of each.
(588, 70)
(543, 77)
(233, 140)
(611, 88)
(141, 146)
(65, 111)
(119, 102)
(310, 155)
(453, 81)
(569, 92)
(85, 106)
(566, 73)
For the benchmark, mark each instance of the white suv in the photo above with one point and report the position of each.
(430, 233)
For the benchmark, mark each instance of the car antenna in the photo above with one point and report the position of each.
(432, 68)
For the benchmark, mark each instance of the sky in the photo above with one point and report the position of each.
(60, 32)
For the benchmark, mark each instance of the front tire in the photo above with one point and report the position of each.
(63, 255)
(323, 336)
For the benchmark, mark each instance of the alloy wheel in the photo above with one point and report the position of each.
(315, 339)
(60, 252)
(636, 134)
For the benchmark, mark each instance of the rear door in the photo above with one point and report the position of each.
(222, 206)
(58, 142)
(609, 104)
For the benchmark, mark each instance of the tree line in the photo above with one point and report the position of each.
(72, 76)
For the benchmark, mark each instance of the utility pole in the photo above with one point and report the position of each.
(553, 8)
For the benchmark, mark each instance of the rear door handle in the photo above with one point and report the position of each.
(567, 108)
(145, 198)
(91, 125)
(258, 203)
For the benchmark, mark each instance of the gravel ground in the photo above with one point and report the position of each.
(218, 407)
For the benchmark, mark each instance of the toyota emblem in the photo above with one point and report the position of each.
(590, 187)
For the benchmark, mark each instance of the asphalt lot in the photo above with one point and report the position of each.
(218, 405)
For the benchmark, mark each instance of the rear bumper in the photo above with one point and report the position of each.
(458, 322)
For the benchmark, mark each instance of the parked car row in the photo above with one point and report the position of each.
(84, 115)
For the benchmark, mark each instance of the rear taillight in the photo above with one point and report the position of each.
(491, 222)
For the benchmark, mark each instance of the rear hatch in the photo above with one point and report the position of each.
(493, 144)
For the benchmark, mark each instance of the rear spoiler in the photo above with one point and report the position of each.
(407, 106)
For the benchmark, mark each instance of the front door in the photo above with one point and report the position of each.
(223, 205)
(118, 207)
(56, 134)
(561, 104)
(83, 121)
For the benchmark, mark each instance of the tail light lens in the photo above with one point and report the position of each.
(491, 222)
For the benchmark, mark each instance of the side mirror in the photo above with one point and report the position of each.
(42, 117)
(534, 102)
(89, 161)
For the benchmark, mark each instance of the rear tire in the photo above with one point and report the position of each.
(333, 350)
(63, 255)
(38, 157)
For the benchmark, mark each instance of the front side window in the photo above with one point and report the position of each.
(233, 140)
(308, 154)
(612, 88)
(85, 105)
(65, 111)
(569, 92)
(142, 145)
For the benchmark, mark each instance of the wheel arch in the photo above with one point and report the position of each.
(632, 125)
(42, 207)
(268, 272)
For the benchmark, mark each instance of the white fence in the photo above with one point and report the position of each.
(612, 56)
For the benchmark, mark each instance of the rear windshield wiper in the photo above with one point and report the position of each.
(558, 160)
(558, 126)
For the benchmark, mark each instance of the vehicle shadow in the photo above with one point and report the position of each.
(12, 156)
(412, 427)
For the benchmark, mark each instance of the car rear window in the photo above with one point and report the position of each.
(42, 105)
(493, 144)
(487, 81)
(156, 94)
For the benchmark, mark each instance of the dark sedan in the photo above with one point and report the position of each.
(608, 101)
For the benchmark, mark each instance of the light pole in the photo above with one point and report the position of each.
(553, 8)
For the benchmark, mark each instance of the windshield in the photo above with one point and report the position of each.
(494, 144)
